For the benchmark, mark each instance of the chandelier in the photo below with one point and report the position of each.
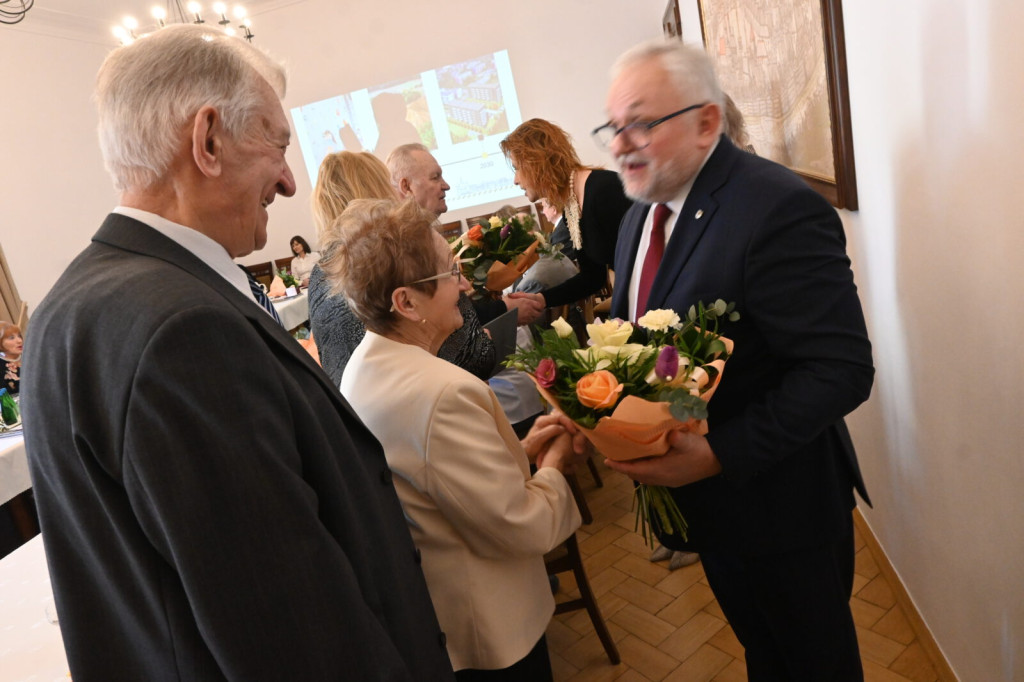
(175, 13)
(12, 12)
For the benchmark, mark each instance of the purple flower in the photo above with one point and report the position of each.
(505, 230)
(546, 373)
(667, 365)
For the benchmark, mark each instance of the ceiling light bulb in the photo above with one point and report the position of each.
(159, 13)
(239, 12)
(220, 7)
(195, 7)
(130, 23)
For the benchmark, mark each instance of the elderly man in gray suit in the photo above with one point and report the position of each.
(210, 505)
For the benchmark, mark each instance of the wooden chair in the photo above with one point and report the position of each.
(484, 218)
(282, 264)
(564, 558)
(450, 230)
(263, 272)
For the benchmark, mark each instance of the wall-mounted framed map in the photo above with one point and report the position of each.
(784, 64)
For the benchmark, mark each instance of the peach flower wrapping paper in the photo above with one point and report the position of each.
(500, 276)
(640, 428)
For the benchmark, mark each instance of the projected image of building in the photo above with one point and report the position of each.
(460, 112)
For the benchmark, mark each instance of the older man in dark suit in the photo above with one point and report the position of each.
(211, 507)
(768, 493)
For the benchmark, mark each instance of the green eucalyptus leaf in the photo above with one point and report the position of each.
(686, 407)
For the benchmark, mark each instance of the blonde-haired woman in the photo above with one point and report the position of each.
(343, 178)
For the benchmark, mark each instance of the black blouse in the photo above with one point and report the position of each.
(604, 204)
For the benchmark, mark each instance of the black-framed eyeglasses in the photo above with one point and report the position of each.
(456, 272)
(639, 132)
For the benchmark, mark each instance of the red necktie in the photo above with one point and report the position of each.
(655, 250)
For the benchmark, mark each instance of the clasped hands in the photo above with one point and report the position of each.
(555, 441)
(530, 306)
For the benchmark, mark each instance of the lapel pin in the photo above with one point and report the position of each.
(698, 214)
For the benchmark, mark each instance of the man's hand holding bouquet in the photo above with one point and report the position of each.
(634, 387)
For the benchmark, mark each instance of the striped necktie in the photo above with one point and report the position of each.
(261, 296)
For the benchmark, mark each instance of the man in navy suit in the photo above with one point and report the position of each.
(211, 507)
(768, 493)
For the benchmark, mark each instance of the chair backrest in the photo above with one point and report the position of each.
(282, 264)
(263, 272)
(450, 230)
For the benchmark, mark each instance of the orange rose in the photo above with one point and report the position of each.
(598, 389)
(475, 233)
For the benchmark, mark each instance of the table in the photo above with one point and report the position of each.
(14, 478)
(31, 647)
(293, 312)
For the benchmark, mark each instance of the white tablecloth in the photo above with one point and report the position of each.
(293, 311)
(14, 478)
(31, 647)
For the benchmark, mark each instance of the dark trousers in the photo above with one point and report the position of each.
(791, 611)
(534, 667)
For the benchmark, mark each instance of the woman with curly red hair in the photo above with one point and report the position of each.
(591, 200)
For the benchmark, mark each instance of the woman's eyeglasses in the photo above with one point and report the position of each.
(456, 271)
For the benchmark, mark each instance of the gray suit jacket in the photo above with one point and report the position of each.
(211, 507)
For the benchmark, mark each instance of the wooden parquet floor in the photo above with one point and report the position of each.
(667, 624)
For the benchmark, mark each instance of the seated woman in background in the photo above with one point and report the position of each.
(304, 260)
(344, 177)
(11, 344)
(482, 523)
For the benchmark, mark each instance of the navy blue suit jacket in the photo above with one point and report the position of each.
(753, 232)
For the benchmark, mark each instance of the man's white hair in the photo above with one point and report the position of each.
(148, 91)
(402, 161)
(688, 67)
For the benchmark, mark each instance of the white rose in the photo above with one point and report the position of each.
(610, 333)
(627, 353)
(659, 320)
(496, 222)
(562, 328)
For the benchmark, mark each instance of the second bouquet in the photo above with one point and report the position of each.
(497, 253)
(632, 385)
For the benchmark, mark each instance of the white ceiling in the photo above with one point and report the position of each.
(91, 21)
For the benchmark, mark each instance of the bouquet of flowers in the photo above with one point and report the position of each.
(288, 279)
(631, 386)
(494, 255)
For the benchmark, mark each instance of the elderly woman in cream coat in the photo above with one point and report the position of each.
(480, 520)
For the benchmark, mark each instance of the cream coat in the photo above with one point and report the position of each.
(481, 522)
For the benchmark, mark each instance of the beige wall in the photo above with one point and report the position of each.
(936, 90)
(937, 93)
